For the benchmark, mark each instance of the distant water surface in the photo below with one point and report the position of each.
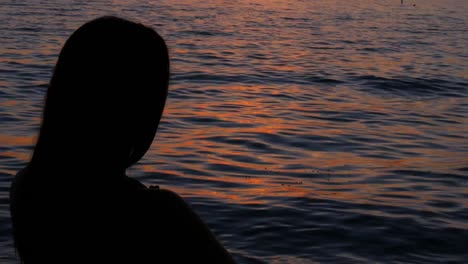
(301, 131)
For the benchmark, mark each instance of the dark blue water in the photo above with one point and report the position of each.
(301, 131)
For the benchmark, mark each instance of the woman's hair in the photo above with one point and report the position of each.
(105, 98)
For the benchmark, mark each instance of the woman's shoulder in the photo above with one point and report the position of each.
(181, 228)
(18, 180)
(162, 204)
(161, 195)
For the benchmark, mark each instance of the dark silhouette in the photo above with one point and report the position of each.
(73, 203)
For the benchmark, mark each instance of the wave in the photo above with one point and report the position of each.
(403, 85)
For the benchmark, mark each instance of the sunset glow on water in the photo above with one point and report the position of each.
(301, 131)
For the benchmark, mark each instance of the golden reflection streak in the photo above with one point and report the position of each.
(8, 103)
(338, 187)
(9, 140)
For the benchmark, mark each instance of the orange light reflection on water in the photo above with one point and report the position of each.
(321, 173)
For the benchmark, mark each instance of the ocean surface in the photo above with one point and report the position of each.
(301, 131)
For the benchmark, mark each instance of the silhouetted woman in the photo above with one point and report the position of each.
(73, 203)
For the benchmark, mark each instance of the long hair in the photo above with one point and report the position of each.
(102, 110)
(106, 96)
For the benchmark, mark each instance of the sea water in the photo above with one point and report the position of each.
(301, 131)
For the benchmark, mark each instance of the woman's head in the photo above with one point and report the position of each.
(105, 98)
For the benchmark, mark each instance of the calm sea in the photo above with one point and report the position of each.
(301, 131)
